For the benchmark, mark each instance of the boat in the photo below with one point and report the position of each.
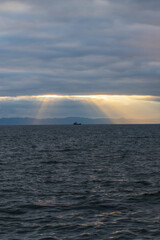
(76, 123)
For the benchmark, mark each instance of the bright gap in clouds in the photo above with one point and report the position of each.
(137, 107)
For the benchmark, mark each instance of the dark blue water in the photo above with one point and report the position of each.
(80, 182)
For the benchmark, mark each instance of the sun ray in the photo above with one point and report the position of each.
(41, 109)
(114, 107)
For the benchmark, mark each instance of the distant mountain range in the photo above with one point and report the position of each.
(71, 120)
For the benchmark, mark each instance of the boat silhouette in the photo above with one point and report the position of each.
(76, 123)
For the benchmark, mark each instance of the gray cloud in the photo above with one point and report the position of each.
(79, 47)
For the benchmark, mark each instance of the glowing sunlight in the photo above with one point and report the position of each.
(137, 107)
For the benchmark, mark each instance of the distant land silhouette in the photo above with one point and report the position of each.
(71, 120)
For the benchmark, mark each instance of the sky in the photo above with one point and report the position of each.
(74, 49)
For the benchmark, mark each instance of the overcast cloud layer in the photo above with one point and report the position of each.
(79, 47)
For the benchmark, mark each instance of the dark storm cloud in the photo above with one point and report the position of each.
(79, 47)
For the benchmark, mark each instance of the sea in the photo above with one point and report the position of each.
(67, 182)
